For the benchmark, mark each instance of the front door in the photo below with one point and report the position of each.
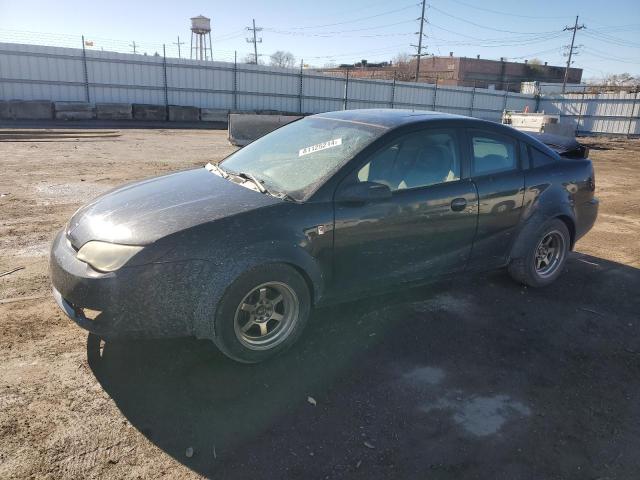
(424, 230)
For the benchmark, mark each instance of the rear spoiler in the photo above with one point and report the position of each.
(563, 146)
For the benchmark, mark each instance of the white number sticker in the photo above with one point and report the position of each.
(320, 146)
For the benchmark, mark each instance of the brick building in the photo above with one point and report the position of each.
(502, 74)
(467, 72)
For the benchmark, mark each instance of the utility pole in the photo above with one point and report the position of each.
(255, 40)
(422, 20)
(133, 45)
(178, 43)
(574, 29)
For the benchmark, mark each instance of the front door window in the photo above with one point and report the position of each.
(416, 160)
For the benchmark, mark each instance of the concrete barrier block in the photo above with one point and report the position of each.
(183, 114)
(27, 110)
(74, 111)
(114, 111)
(244, 128)
(149, 112)
(214, 115)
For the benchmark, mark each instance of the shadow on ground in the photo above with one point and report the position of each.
(479, 378)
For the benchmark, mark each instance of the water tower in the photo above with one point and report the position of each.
(200, 30)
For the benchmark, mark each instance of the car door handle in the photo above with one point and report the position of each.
(458, 204)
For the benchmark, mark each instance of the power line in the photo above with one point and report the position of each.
(357, 19)
(608, 56)
(337, 32)
(573, 29)
(387, 49)
(483, 26)
(255, 40)
(602, 37)
(504, 13)
(230, 35)
(495, 42)
(529, 55)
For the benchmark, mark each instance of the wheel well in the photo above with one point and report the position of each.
(307, 280)
(570, 226)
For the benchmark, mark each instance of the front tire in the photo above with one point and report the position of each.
(262, 313)
(545, 255)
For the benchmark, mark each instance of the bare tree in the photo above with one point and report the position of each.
(402, 57)
(404, 66)
(620, 80)
(535, 64)
(282, 59)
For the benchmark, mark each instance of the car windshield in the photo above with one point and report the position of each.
(298, 157)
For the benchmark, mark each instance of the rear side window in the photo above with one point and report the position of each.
(539, 159)
(493, 154)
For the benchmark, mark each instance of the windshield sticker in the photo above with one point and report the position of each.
(320, 146)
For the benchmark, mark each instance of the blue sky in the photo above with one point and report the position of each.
(344, 32)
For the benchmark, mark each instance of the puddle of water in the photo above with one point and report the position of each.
(424, 376)
(479, 415)
(446, 302)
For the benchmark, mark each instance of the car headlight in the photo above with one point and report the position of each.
(106, 257)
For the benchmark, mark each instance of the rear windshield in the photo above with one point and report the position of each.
(297, 158)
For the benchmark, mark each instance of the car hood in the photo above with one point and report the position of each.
(143, 212)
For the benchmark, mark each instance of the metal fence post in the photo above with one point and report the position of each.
(300, 87)
(393, 90)
(235, 80)
(346, 91)
(473, 99)
(631, 117)
(580, 111)
(506, 99)
(164, 78)
(435, 95)
(85, 70)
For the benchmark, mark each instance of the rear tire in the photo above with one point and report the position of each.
(545, 255)
(262, 313)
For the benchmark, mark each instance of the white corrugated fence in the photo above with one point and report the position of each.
(32, 72)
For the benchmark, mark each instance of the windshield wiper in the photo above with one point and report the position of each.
(215, 168)
(255, 181)
(260, 184)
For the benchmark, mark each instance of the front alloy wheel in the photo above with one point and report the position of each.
(266, 315)
(262, 313)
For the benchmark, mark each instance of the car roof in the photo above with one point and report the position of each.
(389, 117)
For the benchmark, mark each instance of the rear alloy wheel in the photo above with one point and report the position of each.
(262, 313)
(549, 254)
(544, 257)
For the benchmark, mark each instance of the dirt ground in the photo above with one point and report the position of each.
(478, 379)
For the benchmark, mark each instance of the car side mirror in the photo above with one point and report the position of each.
(363, 192)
